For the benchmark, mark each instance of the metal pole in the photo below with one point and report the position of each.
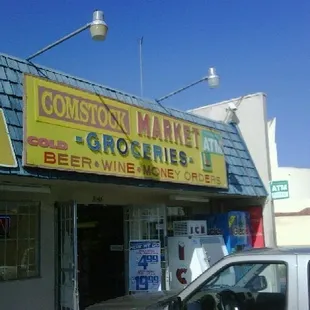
(75, 254)
(65, 38)
(141, 66)
(181, 89)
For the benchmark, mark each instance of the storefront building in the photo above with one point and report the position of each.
(249, 112)
(289, 189)
(89, 173)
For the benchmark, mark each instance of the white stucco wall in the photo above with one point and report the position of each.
(298, 179)
(251, 117)
(273, 151)
(299, 189)
(292, 214)
(293, 230)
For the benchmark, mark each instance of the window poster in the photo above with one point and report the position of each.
(144, 266)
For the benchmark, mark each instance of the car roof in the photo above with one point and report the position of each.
(287, 250)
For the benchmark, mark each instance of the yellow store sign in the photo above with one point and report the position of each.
(7, 154)
(74, 130)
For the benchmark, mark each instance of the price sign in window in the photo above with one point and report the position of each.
(144, 265)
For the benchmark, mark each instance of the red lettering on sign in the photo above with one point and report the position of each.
(202, 178)
(196, 134)
(187, 135)
(170, 173)
(62, 159)
(207, 179)
(86, 162)
(156, 172)
(47, 143)
(118, 167)
(49, 158)
(187, 176)
(75, 161)
(177, 133)
(157, 131)
(130, 168)
(143, 124)
(167, 130)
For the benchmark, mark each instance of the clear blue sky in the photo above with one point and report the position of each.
(256, 46)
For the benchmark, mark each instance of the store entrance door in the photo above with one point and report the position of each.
(100, 252)
(66, 262)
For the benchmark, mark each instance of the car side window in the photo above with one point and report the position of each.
(263, 284)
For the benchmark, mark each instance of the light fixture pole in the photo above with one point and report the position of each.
(212, 78)
(98, 30)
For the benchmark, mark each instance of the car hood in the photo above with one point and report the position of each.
(137, 301)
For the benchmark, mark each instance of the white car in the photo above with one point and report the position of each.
(267, 279)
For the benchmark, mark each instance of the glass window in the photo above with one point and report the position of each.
(144, 223)
(19, 240)
(241, 285)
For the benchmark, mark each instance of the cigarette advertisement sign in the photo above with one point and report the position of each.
(144, 265)
(68, 129)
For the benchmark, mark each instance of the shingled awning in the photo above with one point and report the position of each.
(243, 177)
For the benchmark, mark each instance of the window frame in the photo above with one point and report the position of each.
(252, 263)
(37, 238)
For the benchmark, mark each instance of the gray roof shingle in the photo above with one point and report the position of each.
(243, 177)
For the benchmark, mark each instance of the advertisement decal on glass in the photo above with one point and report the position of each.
(181, 275)
(181, 250)
(70, 129)
(238, 227)
(144, 265)
(213, 228)
(5, 223)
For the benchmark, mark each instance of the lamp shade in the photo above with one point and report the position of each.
(98, 31)
(98, 27)
(213, 78)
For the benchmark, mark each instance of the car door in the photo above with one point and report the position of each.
(302, 296)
